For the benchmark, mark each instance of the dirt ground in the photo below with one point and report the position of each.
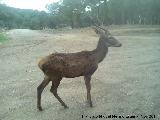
(126, 83)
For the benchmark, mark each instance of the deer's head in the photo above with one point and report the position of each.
(108, 39)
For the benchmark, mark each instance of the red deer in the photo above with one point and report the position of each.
(58, 65)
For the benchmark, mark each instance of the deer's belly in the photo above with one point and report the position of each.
(80, 70)
(73, 71)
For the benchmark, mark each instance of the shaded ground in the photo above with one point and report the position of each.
(126, 83)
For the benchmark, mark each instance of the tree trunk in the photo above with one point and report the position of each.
(76, 20)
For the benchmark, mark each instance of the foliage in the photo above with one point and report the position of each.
(78, 13)
(109, 11)
(19, 18)
(2, 37)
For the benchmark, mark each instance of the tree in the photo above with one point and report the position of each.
(77, 13)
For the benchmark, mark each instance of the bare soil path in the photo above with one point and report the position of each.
(126, 83)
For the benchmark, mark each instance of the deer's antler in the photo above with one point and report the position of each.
(98, 29)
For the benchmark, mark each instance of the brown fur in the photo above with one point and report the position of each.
(67, 65)
(58, 65)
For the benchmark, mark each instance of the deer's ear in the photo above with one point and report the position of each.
(107, 33)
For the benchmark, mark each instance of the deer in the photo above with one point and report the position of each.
(70, 65)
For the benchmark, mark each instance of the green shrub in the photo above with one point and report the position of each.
(2, 37)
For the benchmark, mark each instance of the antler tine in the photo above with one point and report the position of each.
(101, 28)
(98, 27)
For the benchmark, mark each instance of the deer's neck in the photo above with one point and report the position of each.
(101, 51)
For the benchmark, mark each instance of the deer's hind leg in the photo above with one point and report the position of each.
(40, 89)
(55, 84)
(88, 87)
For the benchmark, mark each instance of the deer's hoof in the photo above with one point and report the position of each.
(40, 108)
(66, 107)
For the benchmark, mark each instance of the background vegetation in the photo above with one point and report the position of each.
(2, 37)
(78, 13)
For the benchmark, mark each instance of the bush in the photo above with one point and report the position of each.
(2, 37)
